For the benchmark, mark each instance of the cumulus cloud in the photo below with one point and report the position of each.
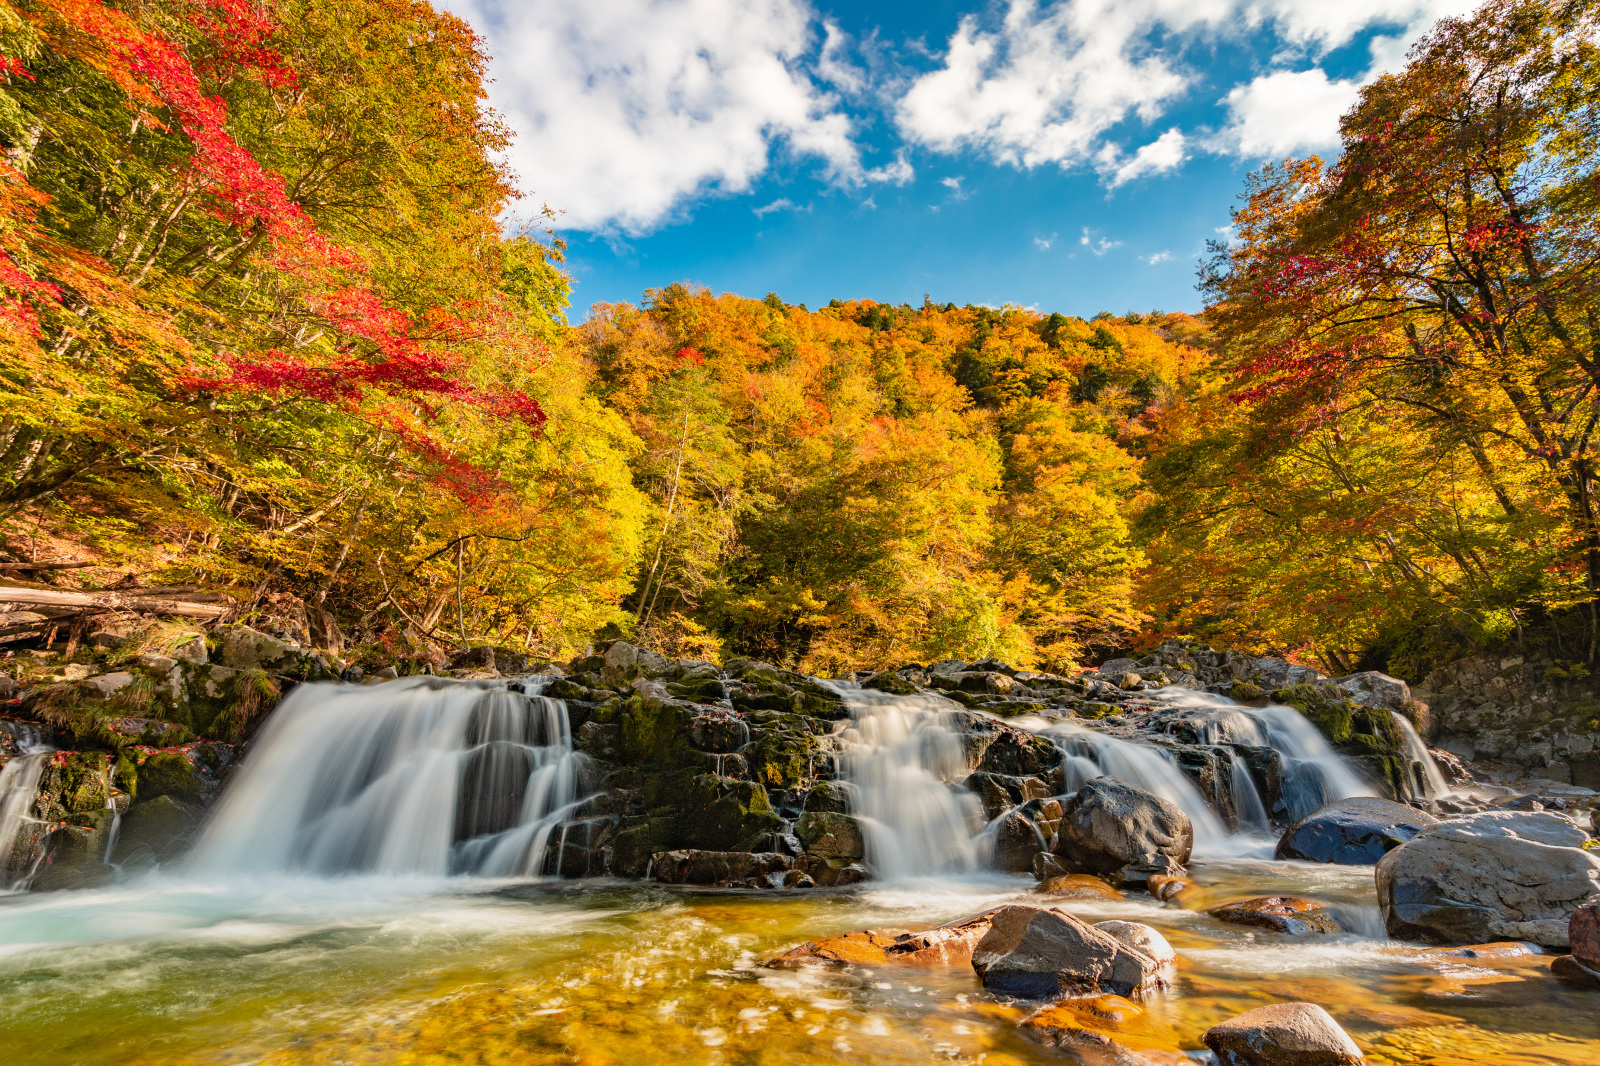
(1166, 152)
(1158, 257)
(1051, 82)
(625, 109)
(1285, 112)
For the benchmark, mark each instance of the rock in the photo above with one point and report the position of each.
(1583, 933)
(240, 648)
(1000, 792)
(1113, 829)
(1046, 953)
(154, 832)
(1281, 914)
(193, 649)
(75, 672)
(1018, 754)
(1353, 832)
(724, 814)
(1498, 874)
(1572, 972)
(726, 868)
(832, 796)
(1375, 689)
(1165, 888)
(949, 944)
(1141, 938)
(108, 684)
(827, 835)
(1283, 1034)
(890, 682)
(834, 873)
(1077, 886)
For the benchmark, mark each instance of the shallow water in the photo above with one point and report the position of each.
(368, 970)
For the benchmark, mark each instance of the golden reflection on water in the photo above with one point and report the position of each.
(634, 976)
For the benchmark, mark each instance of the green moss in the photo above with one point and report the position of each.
(655, 733)
(170, 773)
(724, 814)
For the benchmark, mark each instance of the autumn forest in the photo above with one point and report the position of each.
(273, 324)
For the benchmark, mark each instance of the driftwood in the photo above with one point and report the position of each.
(46, 566)
(115, 601)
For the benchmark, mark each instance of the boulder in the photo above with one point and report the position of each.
(1125, 833)
(1046, 953)
(1283, 1034)
(724, 868)
(890, 682)
(1141, 938)
(1375, 689)
(828, 835)
(1353, 832)
(1583, 933)
(1495, 875)
(241, 648)
(1281, 914)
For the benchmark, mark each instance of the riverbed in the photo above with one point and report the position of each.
(170, 970)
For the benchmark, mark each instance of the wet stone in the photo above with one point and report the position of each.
(1046, 953)
(1353, 832)
(1283, 1034)
(1281, 914)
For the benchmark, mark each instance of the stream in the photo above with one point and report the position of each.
(326, 917)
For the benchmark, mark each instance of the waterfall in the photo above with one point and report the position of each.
(1433, 784)
(1143, 766)
(1247, 805)
(19, 783)
(902, 756)
(1314, 775)
(420, 776)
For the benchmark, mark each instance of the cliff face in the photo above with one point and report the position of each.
(1535, 713)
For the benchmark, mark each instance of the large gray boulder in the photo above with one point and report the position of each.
(1353, 832)
(1375, 689)
(1046, 953)
(1118, 831)
(1499, 875)
(1283, 1034)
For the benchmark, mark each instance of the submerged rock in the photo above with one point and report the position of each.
(1498, 874)
(1283, 1034)
(1046, 953)
(1077, 886)
(947, 944)
(1125, 833)
(1568, 969)
(1353, 832)
(1281, 914)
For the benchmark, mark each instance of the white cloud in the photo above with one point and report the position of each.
(898, 172)
(1100, 247)
(1044, 243)
(1158, 257)
(1051, 81)
(626, 109)
(783, 203)
(1166, 152)
(1285, 112)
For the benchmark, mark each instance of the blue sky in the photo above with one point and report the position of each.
(1070, 156)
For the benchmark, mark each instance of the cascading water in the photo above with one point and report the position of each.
(19, 783)
(1314, 775)
(1433, 784)
(420, 776)
(900, 755)
(1141, 765)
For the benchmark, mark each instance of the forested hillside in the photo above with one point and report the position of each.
(269, 328)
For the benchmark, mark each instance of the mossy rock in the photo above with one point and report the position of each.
(655, 733)
(1366, 734)
(828, 835)
(888, 681)
(171, 773)
(637, 839)
(74, 786)
(782, 753)
(699, 690)
(723, 814)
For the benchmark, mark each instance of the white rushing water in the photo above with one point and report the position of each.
(903, 755)
(1433, 783)
(414, 777)
(19, 781)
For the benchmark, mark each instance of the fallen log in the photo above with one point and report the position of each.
(114, 601)
(62, 565)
